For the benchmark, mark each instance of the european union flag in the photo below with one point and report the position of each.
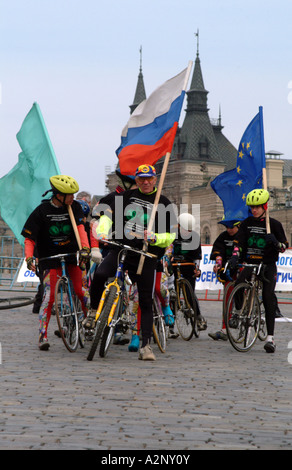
(233, 186)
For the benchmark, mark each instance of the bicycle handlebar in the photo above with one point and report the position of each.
(62, 255)
(129, 248)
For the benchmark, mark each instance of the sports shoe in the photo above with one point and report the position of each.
(134, 345)
(218, 335)
(202, 323)
(168, 316)
(120, 339)
(270, 346)
(44, 344)
(172, 334)
(146, 354)
(89, 322)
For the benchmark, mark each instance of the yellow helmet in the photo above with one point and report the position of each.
(64, 184)
(257, 197)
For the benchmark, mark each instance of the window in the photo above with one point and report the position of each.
(203, 147)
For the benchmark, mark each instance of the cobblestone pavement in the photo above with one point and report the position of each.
(200, 394)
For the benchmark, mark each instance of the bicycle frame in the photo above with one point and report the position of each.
(178, 264)
(64, 274)
(118, 281)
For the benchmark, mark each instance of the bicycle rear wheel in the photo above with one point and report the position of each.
(243, 317)
(158, 328)
(186, 311)
(66, 315)
(102, 320)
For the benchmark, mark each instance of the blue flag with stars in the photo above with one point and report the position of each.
(233, 186)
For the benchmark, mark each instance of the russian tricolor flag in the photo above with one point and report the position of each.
(151, 129)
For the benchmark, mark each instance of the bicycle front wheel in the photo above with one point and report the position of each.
(66, 315)
(158, 328)
(102, 320)
(108, 333)
(186, 311)
(243, 317)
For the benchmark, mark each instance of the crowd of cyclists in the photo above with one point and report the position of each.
(125, 214)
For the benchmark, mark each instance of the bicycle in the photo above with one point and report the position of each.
(184, 304)
(243, 316)
(68, 309)
(109, 312)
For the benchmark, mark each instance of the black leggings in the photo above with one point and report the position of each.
(145, 285)
(269, 296)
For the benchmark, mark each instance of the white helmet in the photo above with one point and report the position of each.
(187, 221)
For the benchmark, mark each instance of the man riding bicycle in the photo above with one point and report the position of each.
(49, 228)
(254, 245)
(128, 216)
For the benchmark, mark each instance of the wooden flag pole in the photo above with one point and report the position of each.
(265, 185)
(264, 173)
(154, 210)
(74, 225)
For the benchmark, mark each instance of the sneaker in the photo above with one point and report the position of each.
(234, 321)
(57, 333)
(134, 345)
(218, 335)
(168, 316)
(44, 344)
(270, 346)
(146, 354)
(201, 323)
(172, 334)
(120, 339)
(89, 322)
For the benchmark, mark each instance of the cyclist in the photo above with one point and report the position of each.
(221, 252)
(128, 216)
(49, 229)
(187, 246)
(100, 250)
(256, 246)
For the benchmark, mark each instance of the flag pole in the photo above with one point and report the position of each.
(161, 180)
(265, 182)
(74, 225)
(154, 210)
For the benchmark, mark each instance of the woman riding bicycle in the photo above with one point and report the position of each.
(254, 245)
(49, 228)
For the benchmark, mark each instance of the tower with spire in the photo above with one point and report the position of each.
(140, 94)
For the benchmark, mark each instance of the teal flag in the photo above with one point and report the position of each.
(233, 186)
(22, 188)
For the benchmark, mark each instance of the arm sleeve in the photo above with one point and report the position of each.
(163, 240)
(28, 247)
(83, 236)
(104, 225)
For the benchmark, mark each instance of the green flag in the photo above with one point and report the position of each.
(22, 188)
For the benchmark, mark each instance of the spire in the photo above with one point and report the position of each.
(197, 35)
(197, 83)
(140, 94)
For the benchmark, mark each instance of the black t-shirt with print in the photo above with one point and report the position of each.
(51, 229)
(223, 246)
(130, 215)
(251, 238)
